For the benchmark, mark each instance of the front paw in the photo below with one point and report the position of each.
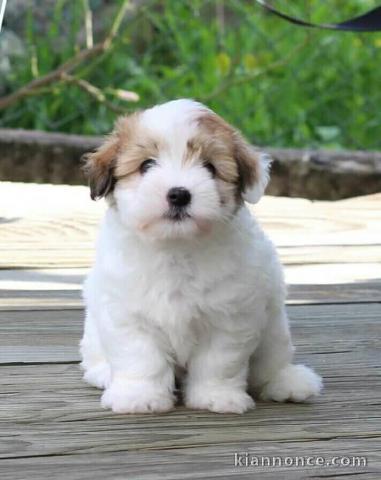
(295, 383)
(137, 398)
(98, 375)
(218, 399)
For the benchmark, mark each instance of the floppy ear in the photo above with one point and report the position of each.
(99, 167)
(253, 169)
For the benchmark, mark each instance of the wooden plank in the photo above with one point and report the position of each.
(58, 223)
(38, 299)
(175, 465)
(360, 292)
(291, 221)
(305, 255)
(36, 289)
(61, 287)
(32, 432)
(205, 462)
(40, 336)
(333, 273)
(46, 256)
(69, 255)
(68, 399)
(64, 279)
(330, 332)
(212, 462)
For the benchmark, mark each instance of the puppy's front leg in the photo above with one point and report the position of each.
(142, 376)
(217, 374)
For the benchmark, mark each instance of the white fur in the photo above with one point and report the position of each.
(205, 295)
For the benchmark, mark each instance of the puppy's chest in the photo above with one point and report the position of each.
(176, 289)
(176, 286)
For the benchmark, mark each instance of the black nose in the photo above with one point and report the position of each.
(178, 197)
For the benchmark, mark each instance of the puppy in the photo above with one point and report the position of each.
(185, 283)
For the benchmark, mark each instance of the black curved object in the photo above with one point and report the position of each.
(368, 22)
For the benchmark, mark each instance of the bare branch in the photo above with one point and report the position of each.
(91, 90)
(69, 65)
(116, 24)
(88, 24)
(86, 86)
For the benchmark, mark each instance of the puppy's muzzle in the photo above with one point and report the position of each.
(178, 199)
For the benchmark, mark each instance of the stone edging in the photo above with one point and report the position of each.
(34, 156)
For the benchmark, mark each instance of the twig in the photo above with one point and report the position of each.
(85, 85)
(69, 65)
(88, 24)
(91, 90)
(116, 24)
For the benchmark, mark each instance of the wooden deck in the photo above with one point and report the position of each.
(51, 423)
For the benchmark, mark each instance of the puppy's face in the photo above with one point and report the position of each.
(176, 170)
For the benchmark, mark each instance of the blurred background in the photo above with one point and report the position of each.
(283, 85)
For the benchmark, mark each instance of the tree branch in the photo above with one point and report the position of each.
(91, 90)
(69, 65)
(88, 24)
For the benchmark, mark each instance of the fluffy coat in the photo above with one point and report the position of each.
(192, 292)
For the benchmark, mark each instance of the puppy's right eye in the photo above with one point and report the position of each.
(211, 168)
(146, 165)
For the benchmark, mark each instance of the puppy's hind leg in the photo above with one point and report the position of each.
(271, 372)
(97, 371)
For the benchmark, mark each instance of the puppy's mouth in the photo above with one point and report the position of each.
(179, 219)
(177, 215)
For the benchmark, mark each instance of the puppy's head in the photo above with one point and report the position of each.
(176, 170)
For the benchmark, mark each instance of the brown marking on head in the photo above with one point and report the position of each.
(99, 166)
(213, 144)
(141, 147)
(192, 151)
(119, 156)
(237, 165)
(248, 163)
(236, 162)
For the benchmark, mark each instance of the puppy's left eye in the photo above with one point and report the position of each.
(146, 165)
(211, 168)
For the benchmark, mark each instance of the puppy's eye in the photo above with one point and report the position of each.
(211, 168)
(146, 165)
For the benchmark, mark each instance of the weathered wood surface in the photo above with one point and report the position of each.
(53, 335)
(33, 156)
(51, 424)
(55, 299)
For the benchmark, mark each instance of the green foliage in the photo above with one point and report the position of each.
(282, 85)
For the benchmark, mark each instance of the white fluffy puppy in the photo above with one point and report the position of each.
(185, 283)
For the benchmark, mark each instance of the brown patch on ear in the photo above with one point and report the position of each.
(235, 159)
(214, 142)
(247, 162)
(100, 166)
